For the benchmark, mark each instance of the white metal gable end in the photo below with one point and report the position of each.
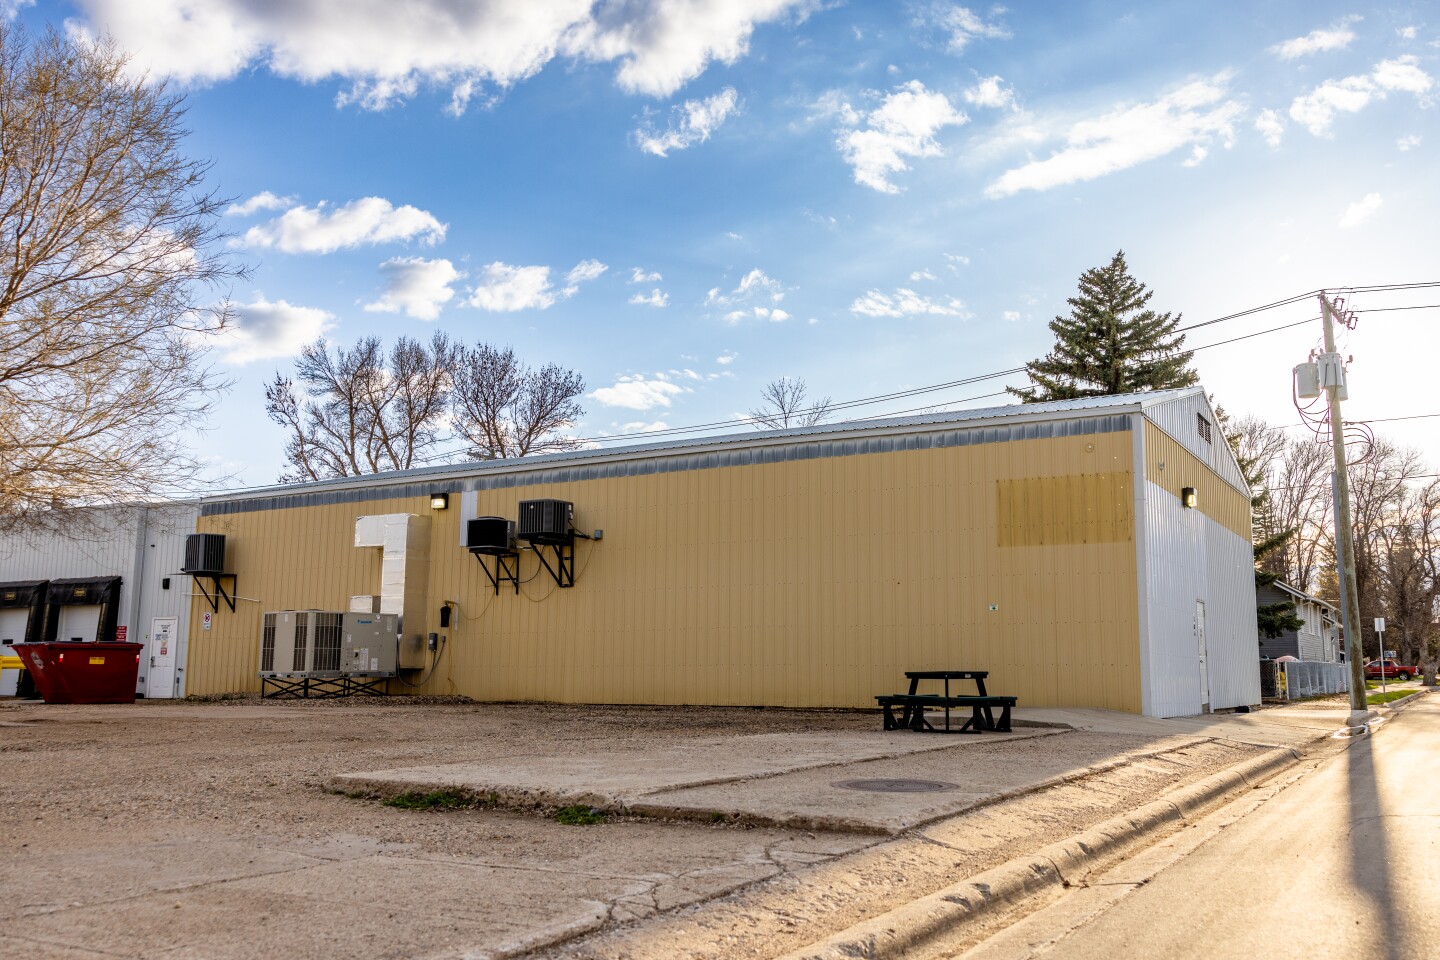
(1187, 559)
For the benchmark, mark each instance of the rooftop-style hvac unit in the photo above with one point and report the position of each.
(491, 536)
(547, 521)
(369, 644)
(204, 554)
(299, 643)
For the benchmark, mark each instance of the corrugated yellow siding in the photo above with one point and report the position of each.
(1172, 467)
(803, 583)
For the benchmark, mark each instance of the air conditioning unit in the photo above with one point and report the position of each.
(490, 535)
(369, 644)
(298, 643)
(204, 554)
(547, 521)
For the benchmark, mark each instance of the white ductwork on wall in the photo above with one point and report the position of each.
(404, 542)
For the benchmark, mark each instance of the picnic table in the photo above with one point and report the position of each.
(913, 704)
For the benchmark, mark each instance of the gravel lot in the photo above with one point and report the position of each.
(203, 830)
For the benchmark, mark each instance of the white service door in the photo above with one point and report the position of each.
(79, 622)
(160, 682)
(1200, 649)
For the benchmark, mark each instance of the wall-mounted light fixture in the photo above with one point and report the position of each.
(1188, 497)
(439, 500)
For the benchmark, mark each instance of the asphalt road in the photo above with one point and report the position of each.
(1343, 862)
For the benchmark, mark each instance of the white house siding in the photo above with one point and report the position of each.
(140, 544)
(1188, 557)
(1177, 418)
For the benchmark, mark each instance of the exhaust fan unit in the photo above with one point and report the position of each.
(547, 521)
(204, 554)
(491, 536)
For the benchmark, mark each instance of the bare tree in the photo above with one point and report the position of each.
(783, 405)
(112, 263)
(366, 411)
(505, 409)
(1410, 591)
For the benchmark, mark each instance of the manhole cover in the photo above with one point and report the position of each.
(896, 786)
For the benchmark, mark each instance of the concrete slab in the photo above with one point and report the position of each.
(616, 777)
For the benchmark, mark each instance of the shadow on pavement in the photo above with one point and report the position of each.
(1370, 847)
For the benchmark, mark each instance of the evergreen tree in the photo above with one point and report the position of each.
(1111, 343)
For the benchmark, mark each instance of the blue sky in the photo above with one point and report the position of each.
(871, 196)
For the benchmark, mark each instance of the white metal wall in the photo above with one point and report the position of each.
(140, 544)
(1188, 557)
(1177, 418)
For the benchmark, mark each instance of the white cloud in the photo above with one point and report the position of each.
(655, 298)
(963, 24)
(726, 358)
(1271, 127)
(692, 122)
(386, 51)
(733, 235)
(1010, 316)
(1198, 153)
(369, 220)
(1338, 36)
(265, 200)
(1407, 33)
(957, 260)
(263, 330)
(904, 125)
(638, 393)
(417, 286)
(919, 275)
(1408, 142)
(1361, 210)
(506, 289)
(640, 426)
(905, 303)
(755, 285)
(10, 9)
(991, 92)
(640, 276)
(1190, 116)
(584, 271)
(1317, 109)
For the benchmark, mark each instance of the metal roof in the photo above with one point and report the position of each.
(871, 427)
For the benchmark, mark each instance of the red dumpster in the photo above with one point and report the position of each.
(83, 672)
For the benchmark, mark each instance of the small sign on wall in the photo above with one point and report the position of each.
(121, 632)
(206, 619)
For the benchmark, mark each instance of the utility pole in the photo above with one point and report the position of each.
(1333, 379)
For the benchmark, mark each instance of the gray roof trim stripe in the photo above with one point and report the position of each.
(732, 455)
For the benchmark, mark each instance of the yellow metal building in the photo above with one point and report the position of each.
(1050, 544)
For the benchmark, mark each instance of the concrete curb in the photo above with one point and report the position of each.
(902, 930)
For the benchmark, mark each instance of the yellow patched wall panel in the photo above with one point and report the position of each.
(1173, 468)
(802, 583)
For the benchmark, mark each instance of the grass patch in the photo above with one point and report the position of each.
(1390, 696)
(579, 816)
(434, 800)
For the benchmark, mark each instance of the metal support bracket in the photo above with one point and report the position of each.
(564, 570)
(220, 593)
(507, 570)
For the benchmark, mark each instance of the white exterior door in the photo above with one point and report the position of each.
(164, 637)
(1200, 649)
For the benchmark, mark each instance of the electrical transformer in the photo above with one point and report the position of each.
(369, 644)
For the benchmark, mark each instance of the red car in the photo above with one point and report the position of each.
(1390, 670)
